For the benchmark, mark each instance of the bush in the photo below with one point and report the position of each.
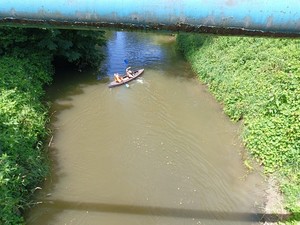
(75, 46)
(22, 127)
(25, 68)
(257, 80)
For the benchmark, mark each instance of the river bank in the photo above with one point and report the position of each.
(26, 68)
(257, 80)
(274, 205)
(23, 119)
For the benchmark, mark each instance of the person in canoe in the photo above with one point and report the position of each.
(118, 78)
(129, 72)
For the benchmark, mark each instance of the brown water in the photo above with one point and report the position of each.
(158, 152)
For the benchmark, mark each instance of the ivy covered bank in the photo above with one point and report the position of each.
(258, 81)
(26, 57)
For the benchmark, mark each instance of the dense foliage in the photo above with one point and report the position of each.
(257, 80)
(75, 46)
(25, 68)
(22, 127)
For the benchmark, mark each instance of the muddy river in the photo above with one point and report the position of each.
(160, 151)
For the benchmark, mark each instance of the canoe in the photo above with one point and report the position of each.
(126, 79)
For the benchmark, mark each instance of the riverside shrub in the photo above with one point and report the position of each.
(257, 80)
(22, 126)
(25, 68)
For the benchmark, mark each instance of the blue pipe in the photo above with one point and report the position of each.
(275, 16)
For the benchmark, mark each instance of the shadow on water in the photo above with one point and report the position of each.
(60, 205)
(69, 82)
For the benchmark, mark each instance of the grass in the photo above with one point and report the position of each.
(22, 126)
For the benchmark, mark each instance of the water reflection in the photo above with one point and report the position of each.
(138, 49)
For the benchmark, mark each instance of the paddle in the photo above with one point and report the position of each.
(126, 62)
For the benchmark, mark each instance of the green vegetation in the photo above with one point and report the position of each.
(257, 80)
(74, 46)
(26, 57)
(22, 127)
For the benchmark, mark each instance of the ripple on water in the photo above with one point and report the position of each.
(159, 152)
